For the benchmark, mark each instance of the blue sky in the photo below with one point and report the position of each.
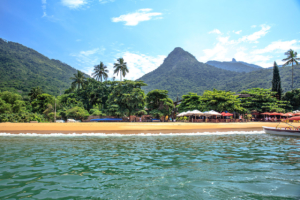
(82, 33)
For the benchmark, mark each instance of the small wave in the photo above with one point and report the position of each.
(137, 134)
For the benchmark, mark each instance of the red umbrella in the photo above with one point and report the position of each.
(275, 113)
(296, 114)
(294, 118)
(226, 114)
(287, 115)
(265, 113)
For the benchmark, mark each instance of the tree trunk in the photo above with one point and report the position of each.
(120, 75)
(292, 75)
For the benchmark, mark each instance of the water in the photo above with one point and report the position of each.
(234, 166)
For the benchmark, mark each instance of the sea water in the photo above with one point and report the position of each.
(192, 166)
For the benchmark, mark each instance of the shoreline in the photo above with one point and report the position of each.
(132, 128)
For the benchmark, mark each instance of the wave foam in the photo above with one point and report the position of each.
(138, 134)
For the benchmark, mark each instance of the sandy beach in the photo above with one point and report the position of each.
(132, 128)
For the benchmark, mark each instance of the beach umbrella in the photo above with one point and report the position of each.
(196, 113)
(265, 113)
(226, 114)
(275, 113)
(211, 113)
(287, 115)
(296, 114)
(181, 114)
(294, 118)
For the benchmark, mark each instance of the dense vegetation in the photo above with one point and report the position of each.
(23, 68)
(126, 98)
(182, 73)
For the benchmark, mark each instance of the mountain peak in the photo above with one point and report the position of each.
(233, 60)
(178, 55)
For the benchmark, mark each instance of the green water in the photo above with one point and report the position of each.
(242, 166)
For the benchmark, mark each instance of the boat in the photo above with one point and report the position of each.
(282, 131)
(287, 131)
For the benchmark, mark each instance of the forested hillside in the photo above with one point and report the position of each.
(23, 68)
(181, 73)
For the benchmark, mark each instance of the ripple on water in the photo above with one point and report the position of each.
(230, 166)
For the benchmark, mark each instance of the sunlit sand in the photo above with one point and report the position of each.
(130, 128)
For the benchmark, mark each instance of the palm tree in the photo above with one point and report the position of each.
(100, 71)
(34, 92)
(121, 68)
(79, 79)
(291, 58)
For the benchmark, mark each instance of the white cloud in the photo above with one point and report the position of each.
(44, 2)
(237, 32)
(133, 19)
(217, 31)
(87, 59)
(253, 26)
(105, 1)
(226, 49)
(282, 46)
(73, 3)
(138, 64)
(89, 52)
(256, 35)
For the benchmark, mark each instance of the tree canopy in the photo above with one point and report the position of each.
(158, 103)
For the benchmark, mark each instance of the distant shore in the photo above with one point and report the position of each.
(132, 128)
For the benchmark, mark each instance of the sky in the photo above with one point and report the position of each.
(83, 33)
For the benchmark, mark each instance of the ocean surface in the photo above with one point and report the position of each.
(191, 166)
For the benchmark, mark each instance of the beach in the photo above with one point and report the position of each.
(133, 128)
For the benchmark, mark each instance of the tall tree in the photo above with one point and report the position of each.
(121, 67)
(220, 100)
(291, 59)
(79, 79)
(127, 98)
(293, 97)
(100, 71)
(158, 103)
(190, 101)
(34, 92)
(276, 82)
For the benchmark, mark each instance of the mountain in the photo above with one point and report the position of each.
(234, 66)
(23, 68)
(181, 73)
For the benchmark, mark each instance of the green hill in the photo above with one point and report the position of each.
(23, 68)
(181, 73)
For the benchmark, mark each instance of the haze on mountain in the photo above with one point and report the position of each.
(23, 68)
(236, 66)
(181, 73)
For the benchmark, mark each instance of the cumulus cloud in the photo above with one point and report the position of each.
(138, 64)
(225, 49)
(215, 31)
(73, 3)
(133, 19)
(281, 46)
